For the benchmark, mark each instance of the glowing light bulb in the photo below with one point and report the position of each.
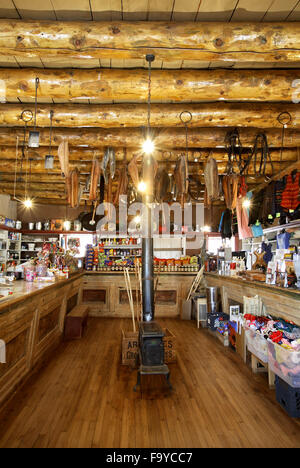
(28, 203)
(206, 229)
(142, 187)
(246, 203)
(148, 146)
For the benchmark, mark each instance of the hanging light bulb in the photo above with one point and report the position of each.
(28, 203)
(247, 203)
(34, 136)
(148, 146)
(142, 187)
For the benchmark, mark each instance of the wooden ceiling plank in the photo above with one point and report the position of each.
(106, 10)
(218, 10)
(8, 61)
(35, 9)
(135, 10)
(185, 11)
(295, 14)
(8, 10)
(253, 10)
(280, 10)
(77, 10)
(160, 10)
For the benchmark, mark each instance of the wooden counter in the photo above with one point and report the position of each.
(31, 324)
(106, 294)
(279, 302)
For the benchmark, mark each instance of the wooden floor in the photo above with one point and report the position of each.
(84, 398)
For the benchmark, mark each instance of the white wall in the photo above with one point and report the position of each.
(8, 207)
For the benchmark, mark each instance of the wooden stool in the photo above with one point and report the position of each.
(76, 322)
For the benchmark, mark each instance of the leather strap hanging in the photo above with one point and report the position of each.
(260, 155)
(234, 150)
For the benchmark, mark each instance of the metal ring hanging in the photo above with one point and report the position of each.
(187, 121)
(29, 117)
(284, 118)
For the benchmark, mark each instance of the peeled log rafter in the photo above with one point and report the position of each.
(165, 139)
(260, 115)
(84, 155)
(169, 41)
(35, 194)
(166, 85)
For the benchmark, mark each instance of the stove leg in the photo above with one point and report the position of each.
(168, 381)
(138, 383)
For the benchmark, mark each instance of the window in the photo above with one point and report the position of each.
(213, 243)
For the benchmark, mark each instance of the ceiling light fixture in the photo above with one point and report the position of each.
(142, 187)
(27, 203)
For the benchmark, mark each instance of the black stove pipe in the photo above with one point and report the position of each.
(147, 244)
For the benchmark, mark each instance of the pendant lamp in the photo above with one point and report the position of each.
(34, 136)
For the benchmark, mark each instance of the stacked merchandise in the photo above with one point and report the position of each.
(89, 258)
(284, 351)
(277, 342)
(218, 322)
(257, 331)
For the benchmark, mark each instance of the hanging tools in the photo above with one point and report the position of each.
(234, 150)
(260, 156)
(34, 136)
(49, 158)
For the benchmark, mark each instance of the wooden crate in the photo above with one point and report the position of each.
(170, 346)
(130, 348)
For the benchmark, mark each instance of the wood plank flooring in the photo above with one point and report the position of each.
(84, 397)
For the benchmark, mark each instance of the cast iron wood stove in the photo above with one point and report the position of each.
(152, 355)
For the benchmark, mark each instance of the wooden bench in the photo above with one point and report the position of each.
(76, 322)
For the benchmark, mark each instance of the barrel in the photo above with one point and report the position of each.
(213, 300)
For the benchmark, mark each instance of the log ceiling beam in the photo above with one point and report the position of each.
(121, 85)
(37, 167)
(165, 138)
(260, 115)
(84, 155)
(169, 41)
